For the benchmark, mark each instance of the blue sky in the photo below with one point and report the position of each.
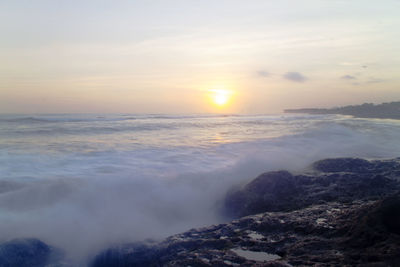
(166, 56)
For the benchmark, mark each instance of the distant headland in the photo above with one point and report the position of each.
(367, 110)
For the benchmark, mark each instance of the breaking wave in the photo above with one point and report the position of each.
(84, 182)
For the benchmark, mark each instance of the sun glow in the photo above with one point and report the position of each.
(220, 97)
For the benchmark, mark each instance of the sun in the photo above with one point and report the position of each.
(220, 97)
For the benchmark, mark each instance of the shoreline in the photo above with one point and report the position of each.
(354, 116)
(367, 111)
(322, 216)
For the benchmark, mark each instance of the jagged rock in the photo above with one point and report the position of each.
(137, 254)
(330, 216)
(30, 252)
(343, 165)
(24, 252)
(359, 166)
(271, 191)
(321, 235)
(377, 224)
(342, 180)
(333, 217)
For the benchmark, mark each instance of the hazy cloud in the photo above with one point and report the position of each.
(370, 81)
(375, 81)
(263, 73)
(348, 77)
(294, 76)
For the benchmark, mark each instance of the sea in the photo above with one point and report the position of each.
(85, 182)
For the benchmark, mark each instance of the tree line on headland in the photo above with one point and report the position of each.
(367, 110)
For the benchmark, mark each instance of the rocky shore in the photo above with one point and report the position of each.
(342, 212)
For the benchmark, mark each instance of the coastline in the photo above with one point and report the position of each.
(342, 211)
(354, 116)
(366, 111)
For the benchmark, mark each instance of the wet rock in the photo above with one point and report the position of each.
(137, 254)
(345, 216)
(31, 252)
(380, 223)
(320, 235)
(388, 212)
(342, 180)
(343, 165)
(271, 191)
(24, 252)
(360, 166)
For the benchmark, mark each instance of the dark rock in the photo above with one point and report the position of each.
(389, 214)
(321, 235)
(377, 224)
(348, 215)
(343, 165)
(271, 191)
(128, 255)
(24, 252)
(31, 252)
(342, 180)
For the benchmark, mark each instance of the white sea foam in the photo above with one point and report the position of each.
(83, 182)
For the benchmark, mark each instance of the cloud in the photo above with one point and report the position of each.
(263, 73)
(348, 77)
(295, 77)
(375, 81)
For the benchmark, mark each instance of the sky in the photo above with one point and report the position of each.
(172, 56)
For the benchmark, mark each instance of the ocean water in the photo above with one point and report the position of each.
(85, 182)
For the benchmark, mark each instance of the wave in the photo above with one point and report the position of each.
(82, 118)
(108, 192)
(23, 120)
